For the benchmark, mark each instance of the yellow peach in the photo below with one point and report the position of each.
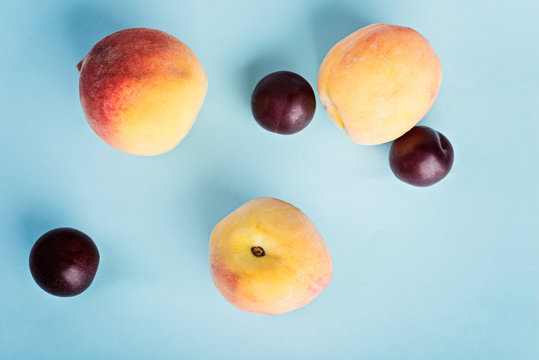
(267, 257)
(378, 82)
(141, 90)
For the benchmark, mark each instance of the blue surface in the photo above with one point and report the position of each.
(446, 272)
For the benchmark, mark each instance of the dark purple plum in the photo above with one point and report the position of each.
(64, 261)
(283, 102)
(421, 157)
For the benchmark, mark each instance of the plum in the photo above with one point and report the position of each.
(283, 102)
(421, 157)
(64, 261)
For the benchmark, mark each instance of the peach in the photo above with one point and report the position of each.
(267, 257)
(141, 90)
(378, 82)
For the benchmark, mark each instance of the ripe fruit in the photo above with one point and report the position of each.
(141, 90)
(378, 82)
(267, 257)
(421, 157)
(283, 102)
(64, 261)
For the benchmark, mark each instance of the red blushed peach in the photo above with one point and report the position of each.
(267, 257)
(378, 82)
(141, 90)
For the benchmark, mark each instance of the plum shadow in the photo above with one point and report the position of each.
(38, 220)
(258, 67)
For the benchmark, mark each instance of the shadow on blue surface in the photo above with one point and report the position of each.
(208, 202)
(39, 220)
(258, 67)
(330, 23)
(87, 24)
(333, 22)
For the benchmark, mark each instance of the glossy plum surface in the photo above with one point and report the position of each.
(283, 102)
(64, 261)
(421, 157)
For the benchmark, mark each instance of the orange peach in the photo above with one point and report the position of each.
(141, 90)
(267, 257)
(378, 82)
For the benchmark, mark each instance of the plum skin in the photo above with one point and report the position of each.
(64, 261)
(421, 157)
(283, 102)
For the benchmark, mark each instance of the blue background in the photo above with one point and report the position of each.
(446, 272)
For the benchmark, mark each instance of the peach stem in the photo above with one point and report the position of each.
(258, 251)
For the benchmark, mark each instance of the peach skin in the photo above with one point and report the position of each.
(378, 82)
(267, 257)
(141, 90)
